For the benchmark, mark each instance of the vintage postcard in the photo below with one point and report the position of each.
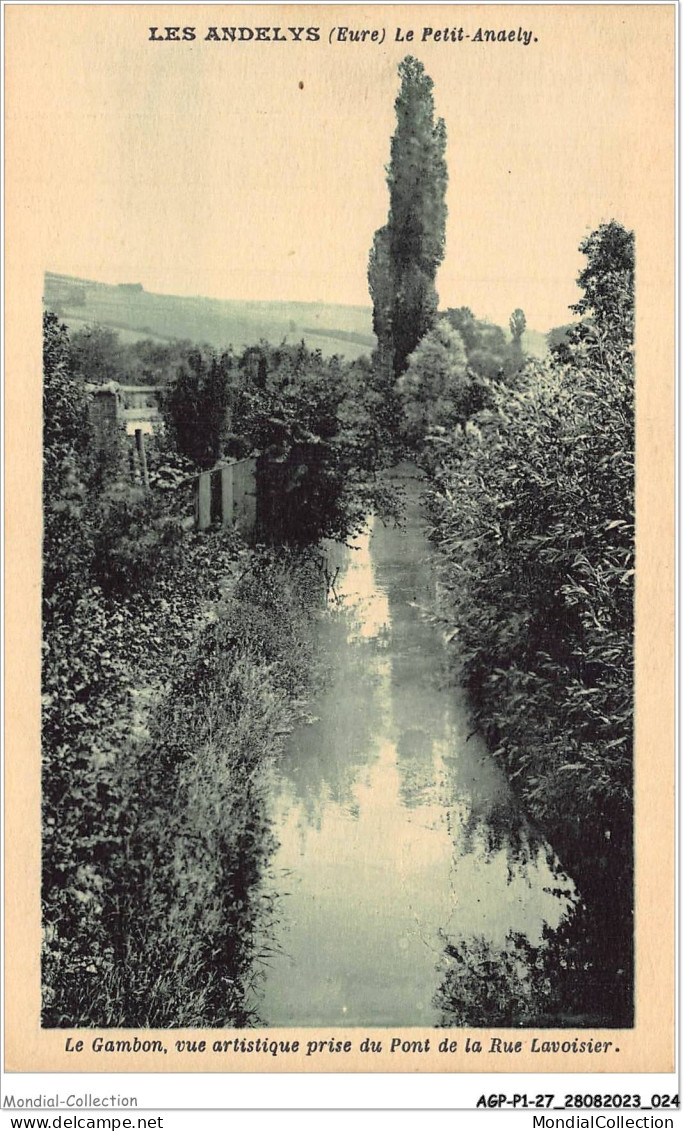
(339, 604)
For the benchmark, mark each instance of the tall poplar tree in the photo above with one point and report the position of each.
(517, 328)
(407, 251)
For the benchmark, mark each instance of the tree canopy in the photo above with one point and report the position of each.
(433, 391)
(607, 280)
(485, 343)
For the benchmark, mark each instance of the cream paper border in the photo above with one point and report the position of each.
(30, 186)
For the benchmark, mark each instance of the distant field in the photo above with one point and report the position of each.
(75, 322)
(136, 314)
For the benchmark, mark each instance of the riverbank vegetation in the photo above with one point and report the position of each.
(532, 506)
(174, 664)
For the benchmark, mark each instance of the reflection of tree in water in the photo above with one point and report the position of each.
(555, 984)
(580, 974)
(483, 813)
(331, 751)
(486, 985)
(415, 761)
(487, 816)
(423, 730)
(500, 826)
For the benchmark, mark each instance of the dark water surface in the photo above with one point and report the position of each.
(400, 842)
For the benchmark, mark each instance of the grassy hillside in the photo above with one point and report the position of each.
(136, 314)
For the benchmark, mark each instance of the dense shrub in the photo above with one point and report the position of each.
(67, 545)
(96, 665)
(197, 407)
(137, 538)
(520, 983)
(311, 422)
(533, 511)
(161, 712)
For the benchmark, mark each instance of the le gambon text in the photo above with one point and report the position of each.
(334, 1046)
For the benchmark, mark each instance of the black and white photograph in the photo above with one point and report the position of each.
(338, 528)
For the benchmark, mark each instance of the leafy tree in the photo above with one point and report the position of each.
(150, 362)
(463, 320)
(407, 251)
(380, 285)
(434, 389)
(97, 355)
(369, 412)
(319, 430)
(287, 409)
(559, 336)
(517, 328)
(485, 343)
(607, 305)
(197, 406)
(607, 281)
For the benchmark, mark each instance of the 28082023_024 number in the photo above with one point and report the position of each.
(576, 1100)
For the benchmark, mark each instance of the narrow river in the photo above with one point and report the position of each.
(398, 834)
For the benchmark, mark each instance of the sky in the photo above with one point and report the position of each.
(257, 170)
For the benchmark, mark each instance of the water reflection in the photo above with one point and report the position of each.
(404, 860)
(549, 983)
